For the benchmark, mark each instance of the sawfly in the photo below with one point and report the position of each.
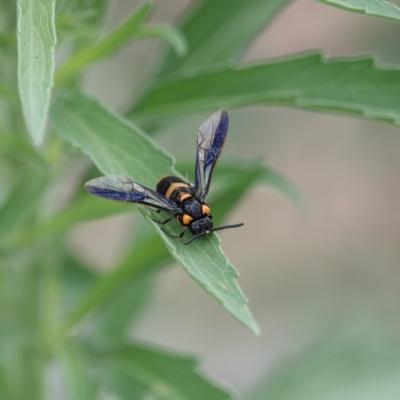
(186, 202)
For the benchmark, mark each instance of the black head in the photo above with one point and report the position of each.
(201, 226)
(204, 226)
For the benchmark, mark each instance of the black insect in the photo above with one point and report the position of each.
(185, 201)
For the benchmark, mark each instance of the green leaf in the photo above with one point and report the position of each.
(352, 367)
(75, 365)
(84, 209)
(132, 27)
(275, 180)
(230, 27)
(121, 384)
(375, 8)
(36, 42)
(76, 280)
(168, 33)
(352, 86)
(21, 202)
(108, 45)
(115, 145)
(80, 20)
(167, 376)
(116, 309)
(21, 362)
(113, 317)
(238, 175)
(141, 260)
(23, 151)
(119, 147)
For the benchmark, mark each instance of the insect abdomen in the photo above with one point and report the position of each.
(173, 188)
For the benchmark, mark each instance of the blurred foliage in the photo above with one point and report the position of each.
(57, 313)
(351, 365)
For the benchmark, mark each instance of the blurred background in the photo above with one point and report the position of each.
(323, 282)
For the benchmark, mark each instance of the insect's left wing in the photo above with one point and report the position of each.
(120, 188)
(210, 142)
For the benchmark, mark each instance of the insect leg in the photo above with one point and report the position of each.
(162, 222)
(194, 238)
(176, 236)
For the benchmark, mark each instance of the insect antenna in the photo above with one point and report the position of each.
(227, 227)
(213, 230)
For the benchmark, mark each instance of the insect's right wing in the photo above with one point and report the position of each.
(210, 142)
(120, 188)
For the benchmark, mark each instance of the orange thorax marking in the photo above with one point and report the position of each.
(186, 219)
(205, 209)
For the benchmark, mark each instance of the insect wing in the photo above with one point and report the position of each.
(120, 188)
(210, 142)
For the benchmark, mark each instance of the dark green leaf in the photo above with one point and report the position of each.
(121, 384)
(114, 316)
(169, 34)
(352, 86)
(141, 260)
(21, 202)
(119, 147)
(132, 27)
(36, 42)
(80, 19)
(115, 145)
(117, 308)
(230, 25)
(23, 151)
(166, 376)
(76, 279)
(84, 209)
(105, 47)
(375, 8)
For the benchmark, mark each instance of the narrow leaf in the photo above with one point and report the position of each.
(275, 180)
(36, 42)
(230, 26)
(167, 376)
(142, 260)
(353, 86)
(108, 45)
(75, 365)
(267, 176)
(375, 8)
(20, 149)
(168, 33)
(115, 145)
(76, 280)
(120, 385)
(133, 27)
(114, 316)
(21, 202)
(119, 147)
(84, 209)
